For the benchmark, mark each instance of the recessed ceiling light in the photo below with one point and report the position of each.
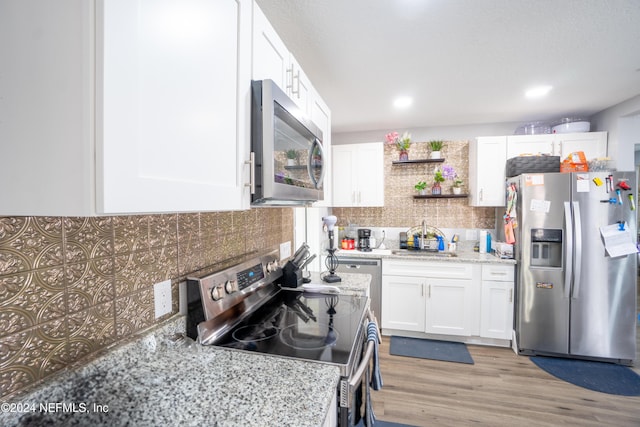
(402, 102)
(537, 92)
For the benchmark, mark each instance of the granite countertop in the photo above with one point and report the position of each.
(463, 254)
(351, 283)
(156, 380)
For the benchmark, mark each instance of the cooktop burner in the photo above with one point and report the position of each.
(300, 325)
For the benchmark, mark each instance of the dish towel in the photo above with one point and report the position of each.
(373, 335)
(376, 378)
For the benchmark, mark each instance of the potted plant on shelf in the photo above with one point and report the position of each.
(457, 185)
(402, 143)
(436, 147)
(436, 189)
(421, 187)
(292, 155)
(448, 172)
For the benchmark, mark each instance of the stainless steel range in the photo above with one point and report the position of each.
(244, 308)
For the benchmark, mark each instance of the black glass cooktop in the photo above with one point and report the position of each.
(318, 327)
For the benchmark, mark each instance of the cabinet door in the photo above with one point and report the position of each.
(298, 86)
(270, 55)
(369, 169)
(449, 307)
(487, 159)
(593, 144)
(496, 309)
(172, 87)
(344, 184)
(403, 303)
(518, 145)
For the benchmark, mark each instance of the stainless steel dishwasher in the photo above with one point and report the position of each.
(372, 266)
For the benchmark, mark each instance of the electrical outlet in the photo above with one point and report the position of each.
(162, 298)
(285, 250)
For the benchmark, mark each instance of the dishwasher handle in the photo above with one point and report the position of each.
(358, 262)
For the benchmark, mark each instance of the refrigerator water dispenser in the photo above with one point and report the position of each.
(546, 247)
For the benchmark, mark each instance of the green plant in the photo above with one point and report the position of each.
(292, 154)
(457, 182)
(437, 177)
(421, 185)
(436, 145)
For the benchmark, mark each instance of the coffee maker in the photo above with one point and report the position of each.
(364, 239)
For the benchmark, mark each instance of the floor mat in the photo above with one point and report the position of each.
(430, 349)
(597, 376)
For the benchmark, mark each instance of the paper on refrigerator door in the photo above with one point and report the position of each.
(618, 242)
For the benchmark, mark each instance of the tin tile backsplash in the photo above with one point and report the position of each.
(402, 210)
(70, 287)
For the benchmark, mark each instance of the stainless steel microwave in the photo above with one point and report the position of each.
(287, 151)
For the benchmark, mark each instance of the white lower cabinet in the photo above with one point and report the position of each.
(450, 306)
(469, 301)
(403, 303)
(496, 316)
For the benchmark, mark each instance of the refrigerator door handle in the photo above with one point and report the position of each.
(578, 239)
(568, 267)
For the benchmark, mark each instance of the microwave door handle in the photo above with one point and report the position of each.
(568, 267)
(578, 238)
(319, 181)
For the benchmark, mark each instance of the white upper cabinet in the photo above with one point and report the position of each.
(533, 145)
(270, 55)
(487, 157)
(272, 60)
(125, 107)
(593, 144)
(358, 174)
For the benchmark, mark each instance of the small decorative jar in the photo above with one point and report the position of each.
(436, 190)
(404, 155)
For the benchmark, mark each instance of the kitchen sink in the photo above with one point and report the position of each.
(423, 253)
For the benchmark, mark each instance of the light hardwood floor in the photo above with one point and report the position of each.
(500, 389)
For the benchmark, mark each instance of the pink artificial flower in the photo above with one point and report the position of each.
(392, 137)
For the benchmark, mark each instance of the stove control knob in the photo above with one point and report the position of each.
(217, 292)
(231, 286)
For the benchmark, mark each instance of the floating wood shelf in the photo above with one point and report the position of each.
(441, 196)
(411, 162)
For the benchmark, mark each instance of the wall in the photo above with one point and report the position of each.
(451, 133)
(402, 210)
(622, 121)
(71, 287)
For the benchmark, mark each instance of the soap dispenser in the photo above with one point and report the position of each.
(440, 243)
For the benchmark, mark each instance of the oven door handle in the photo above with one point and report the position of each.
(347, 387)
(356, 379)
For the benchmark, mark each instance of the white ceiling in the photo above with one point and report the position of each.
(463, 61)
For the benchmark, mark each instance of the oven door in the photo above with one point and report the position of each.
(354, 391)
(289, 155)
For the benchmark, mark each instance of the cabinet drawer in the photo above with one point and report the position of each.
(445, 270)
(500, 273)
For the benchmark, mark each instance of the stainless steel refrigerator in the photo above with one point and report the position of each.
(576, 293)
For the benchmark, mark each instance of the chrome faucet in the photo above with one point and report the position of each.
(423, 238)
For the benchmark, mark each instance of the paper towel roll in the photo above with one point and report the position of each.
(483, 242)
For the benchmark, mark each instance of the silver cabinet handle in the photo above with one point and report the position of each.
(252, 172)
(289, 72)
(481, 195)
(510, 295)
